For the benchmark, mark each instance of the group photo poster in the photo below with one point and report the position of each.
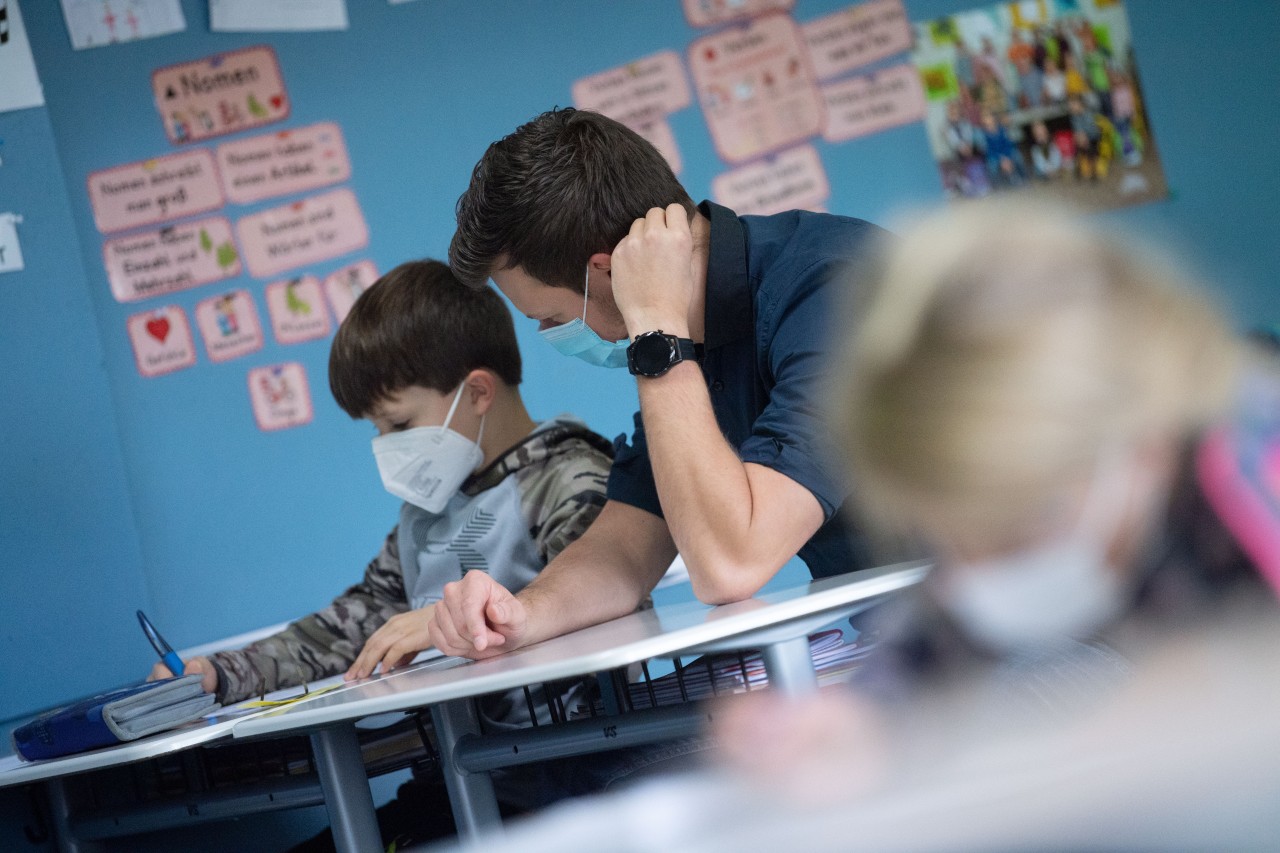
(1039, 96)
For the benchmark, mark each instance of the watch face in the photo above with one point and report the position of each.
(652, 354)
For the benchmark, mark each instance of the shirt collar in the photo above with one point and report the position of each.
(728, 298)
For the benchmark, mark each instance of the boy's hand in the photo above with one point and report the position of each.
(478, 618)
(394, 644)
(200, 666)
(652, 272)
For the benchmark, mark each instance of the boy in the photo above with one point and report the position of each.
(435, 367)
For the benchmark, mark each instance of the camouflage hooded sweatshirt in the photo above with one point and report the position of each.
(509, 519)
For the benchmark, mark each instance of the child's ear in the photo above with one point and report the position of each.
(482, 390)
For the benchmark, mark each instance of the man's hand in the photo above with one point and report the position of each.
(652, 272)
(200, 666)
(478, 618)
(394, 644)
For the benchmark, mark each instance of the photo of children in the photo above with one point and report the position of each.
(1039, 96)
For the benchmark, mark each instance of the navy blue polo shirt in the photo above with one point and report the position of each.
(774, 283)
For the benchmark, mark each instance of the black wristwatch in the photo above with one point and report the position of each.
(654, 353)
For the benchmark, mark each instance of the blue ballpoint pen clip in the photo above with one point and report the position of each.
(166, 652)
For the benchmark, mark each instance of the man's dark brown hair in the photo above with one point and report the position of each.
(417, 325)
(560, 188)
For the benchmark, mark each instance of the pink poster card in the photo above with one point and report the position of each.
(756, 87)
(229, 325)
(161, 340)
(659, 135)
(297, 310)
(344, 286)
(638, 92)
(856, 36)
(177, 257)
(226, 93)
(863, 105)
(154, 190)
(283, 163)
(708, 13)
(790, 180)
(280, 396)
(304, 232)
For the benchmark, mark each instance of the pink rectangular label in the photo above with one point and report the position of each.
(345, 286)
(161, 340)
(794, 179)
(290, 161)
(865, 105)
(708, 13)
(304, 232)
(756, 87)
(638, 92)
(859, 35)
(297, 310)
(229, 325)
(173, 258)
(280, 396)
(658, 134)
(154, 190)
(221, 94)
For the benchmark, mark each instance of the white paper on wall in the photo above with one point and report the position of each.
(95, 23)
(10, 249)
(245, 16)
(20, 87)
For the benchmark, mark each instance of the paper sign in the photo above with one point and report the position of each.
(94, 23)
(229, 325)
(756, 87)
(291, 161)
(222, 94)
(791, 180)
(174, 258)
(345, 286)
(155, 190)
(707, 13)
(658, 134)
(20, 87)
(638, 92)
(864, 105)
(304, 232)
(297, 310)
(10, 248)
(280, 396)
(858, 35)
(242, 16)
(161, 341)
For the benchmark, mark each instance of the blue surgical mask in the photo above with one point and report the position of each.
(576, 338)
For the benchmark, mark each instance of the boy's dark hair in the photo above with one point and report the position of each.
(417, 325)
(560, 188)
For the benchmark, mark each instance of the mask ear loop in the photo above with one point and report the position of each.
(586, 289)
(453, 407)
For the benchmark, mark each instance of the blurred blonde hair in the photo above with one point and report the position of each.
(1003, 347)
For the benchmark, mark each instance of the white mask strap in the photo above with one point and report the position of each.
(586, 284)
(454, 406)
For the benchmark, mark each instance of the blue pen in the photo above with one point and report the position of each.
(166, 652)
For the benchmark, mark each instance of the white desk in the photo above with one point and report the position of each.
(778, 623)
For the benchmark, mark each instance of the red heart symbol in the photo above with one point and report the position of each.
(277, 101)
(158, 328)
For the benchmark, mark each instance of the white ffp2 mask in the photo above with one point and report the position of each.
(425, 466)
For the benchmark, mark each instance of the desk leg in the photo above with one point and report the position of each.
(790, 666)
(475, 807)
(60, 812)
(346, 789)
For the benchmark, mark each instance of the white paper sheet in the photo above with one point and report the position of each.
(20, 87)
(96, 23)
(10, 249)
(243, 16)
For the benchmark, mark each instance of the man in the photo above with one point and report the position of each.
(582, 225)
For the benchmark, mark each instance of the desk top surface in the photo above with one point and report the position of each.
(661, 632)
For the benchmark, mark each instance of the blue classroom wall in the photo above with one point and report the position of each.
(218, 527)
